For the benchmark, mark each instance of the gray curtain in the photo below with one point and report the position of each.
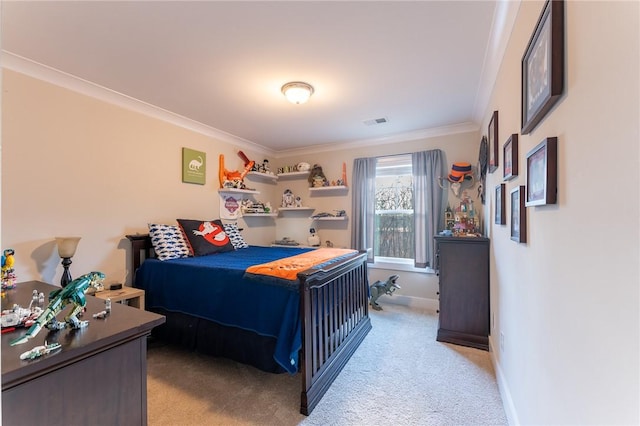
(363, 206)
(428, 204)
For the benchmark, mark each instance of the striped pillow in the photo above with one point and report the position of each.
(167, 241)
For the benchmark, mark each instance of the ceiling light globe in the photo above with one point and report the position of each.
(297, 92)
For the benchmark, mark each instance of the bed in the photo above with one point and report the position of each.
(310, 326)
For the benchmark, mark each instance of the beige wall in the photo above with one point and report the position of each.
(74, 165)
(567, 300)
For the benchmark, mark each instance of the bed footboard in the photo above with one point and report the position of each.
(334, 306)
(334, 309)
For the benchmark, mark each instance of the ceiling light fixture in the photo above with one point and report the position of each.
(297, 92)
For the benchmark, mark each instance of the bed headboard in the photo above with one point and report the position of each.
(141, 248)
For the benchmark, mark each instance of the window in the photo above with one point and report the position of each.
(394, 222)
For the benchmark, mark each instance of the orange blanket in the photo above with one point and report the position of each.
(289, 267)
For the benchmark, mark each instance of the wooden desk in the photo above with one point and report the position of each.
(98, 377)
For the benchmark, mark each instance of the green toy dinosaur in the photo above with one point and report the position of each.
(58, 299)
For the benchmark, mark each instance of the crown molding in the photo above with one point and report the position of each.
(466, 127)
(71, 82)
(504, 18)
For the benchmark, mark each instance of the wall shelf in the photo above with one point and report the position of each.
(237, 191)
(259, 214)
(293, 209)
(329, 218)
(292, 175)
(263, 176)
(329, 189)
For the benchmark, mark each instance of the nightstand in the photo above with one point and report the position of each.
(134, 296)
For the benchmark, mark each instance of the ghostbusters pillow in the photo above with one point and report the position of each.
(205, 236)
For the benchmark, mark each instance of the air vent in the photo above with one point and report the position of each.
(375, 121)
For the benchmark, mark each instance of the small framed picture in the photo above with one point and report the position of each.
(518, 215)
(542, 173)
(194, 166)
(500, 216)
(510, 162)
(543, 66)
(493, 142)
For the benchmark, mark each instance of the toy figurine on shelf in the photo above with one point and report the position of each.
(234, 178)
(288, 199)
(8, 278)
(73, 293)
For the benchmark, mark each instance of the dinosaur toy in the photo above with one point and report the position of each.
(58, 299)
(234, 178)
(379, 288)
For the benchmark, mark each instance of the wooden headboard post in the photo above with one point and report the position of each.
(141, 248)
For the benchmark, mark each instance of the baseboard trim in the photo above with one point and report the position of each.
(429, 305)
(503, 387)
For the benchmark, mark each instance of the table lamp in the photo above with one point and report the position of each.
(66, 249)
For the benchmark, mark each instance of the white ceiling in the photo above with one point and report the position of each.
(419, 64)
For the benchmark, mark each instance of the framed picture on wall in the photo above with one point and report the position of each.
(543, 66)
(493, 142)
(518, 215)
(500, 216)
(194, 166)
(542, 173)
(510, 157)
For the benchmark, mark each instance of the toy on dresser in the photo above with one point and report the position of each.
(8, 278)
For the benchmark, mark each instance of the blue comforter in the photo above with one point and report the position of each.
(215, 288)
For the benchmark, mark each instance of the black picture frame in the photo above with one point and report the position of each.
(543, 66)
(518, 215)
(510, 158)
(500, 217)
(492, 131)
(542, 173)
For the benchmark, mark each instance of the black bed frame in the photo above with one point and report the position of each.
(334, 313)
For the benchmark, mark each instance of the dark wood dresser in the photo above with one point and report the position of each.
(99, 376)
(463, 268)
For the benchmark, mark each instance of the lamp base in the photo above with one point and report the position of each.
(66, 275)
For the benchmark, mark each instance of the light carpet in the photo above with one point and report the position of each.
(400, 375)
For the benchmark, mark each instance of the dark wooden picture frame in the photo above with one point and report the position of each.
(492, 139)
(510, 157)
(500, 217)
(542, 173)
(543, 66)
(518, 215)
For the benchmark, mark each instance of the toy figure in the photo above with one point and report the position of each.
(379, 288)
(317, 177)
(8, 277)
(288, 199)
(39, 351)
(58, 300)
(233, 178)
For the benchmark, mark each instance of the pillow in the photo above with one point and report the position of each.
(231, 229)
(167, 241)
(205, 236)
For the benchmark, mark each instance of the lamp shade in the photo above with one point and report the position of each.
(297, 92)
(67, 246)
